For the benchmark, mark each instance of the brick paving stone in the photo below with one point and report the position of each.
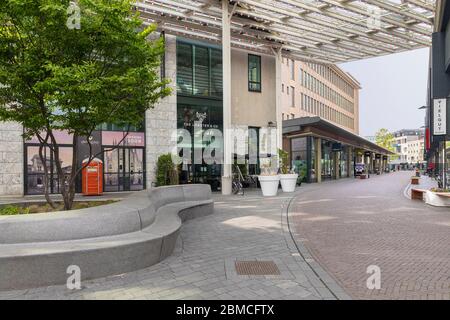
(249, 227)
(350, 224)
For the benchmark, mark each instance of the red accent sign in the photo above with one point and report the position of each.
(427, 139)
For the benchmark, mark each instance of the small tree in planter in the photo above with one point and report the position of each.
(72, 67)
(288, 179)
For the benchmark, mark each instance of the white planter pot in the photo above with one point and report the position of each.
(269, 185)
(433, 199)
(288, 182)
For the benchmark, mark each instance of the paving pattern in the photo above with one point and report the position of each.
(249, 228)
(351, 224)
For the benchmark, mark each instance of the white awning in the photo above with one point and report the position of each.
(321, 31)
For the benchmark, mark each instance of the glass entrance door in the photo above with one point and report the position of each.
(124, 169)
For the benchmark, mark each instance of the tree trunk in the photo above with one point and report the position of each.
(63, 188)
(46, 178)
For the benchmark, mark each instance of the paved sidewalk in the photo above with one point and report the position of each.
(242, 228)
(351, 224)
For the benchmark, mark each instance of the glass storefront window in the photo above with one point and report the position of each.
(35, 174)
(327, 160)
(313, 176)
(299, 154)
(344, 163)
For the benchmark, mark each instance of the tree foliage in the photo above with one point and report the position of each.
(54, 77)
(385, 139)
(167, 173)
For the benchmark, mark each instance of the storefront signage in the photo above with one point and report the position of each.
(440, 117)
(337, 146)
(114, 138)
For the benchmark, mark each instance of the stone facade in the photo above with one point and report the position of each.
(161, 121)
(11, 159)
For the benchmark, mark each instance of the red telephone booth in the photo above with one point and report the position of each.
(92, 177)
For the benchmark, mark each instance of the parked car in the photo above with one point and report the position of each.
(359, 169)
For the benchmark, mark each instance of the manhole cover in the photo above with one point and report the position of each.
(257, 268)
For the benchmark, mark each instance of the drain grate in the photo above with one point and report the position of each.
(256, 268)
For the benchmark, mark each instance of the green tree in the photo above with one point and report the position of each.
(166, 171)
(385, 139)
(74, 66)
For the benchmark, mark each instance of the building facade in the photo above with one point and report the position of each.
(320, 150)
(195, 108)
(409, 145)
(437, 118)
(320, 90)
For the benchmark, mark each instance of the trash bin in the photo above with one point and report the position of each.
(92, 177)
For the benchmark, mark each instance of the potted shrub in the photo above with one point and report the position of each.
(269, 181)
(166, 171)
(288, 178)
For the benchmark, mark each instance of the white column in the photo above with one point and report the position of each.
(226, 65)
(279, 118)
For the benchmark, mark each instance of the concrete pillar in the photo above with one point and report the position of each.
(349, 162)
(318, 168)
(11, 159)
(278, 103)
(161, 121)
(336, 165)
(226, 65)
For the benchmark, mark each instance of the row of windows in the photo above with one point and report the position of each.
(199, 71)
(310, 82)
(318, 108)
(332, 77)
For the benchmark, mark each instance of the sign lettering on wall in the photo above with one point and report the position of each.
(440, 117)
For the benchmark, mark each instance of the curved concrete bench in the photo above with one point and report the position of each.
(36, 250)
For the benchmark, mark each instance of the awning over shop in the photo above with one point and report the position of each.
(319, 127)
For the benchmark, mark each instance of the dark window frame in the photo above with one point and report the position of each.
(250, 82)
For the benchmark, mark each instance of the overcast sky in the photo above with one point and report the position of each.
(393, 87)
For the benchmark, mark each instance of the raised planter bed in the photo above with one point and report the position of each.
(437, 199)
(415, 180)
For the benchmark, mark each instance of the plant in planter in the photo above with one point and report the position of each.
(269, 180)
(166, 171)
(288, 178)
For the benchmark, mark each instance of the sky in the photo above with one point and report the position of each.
(393, 88)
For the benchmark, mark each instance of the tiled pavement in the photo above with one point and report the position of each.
(350, 224)
(242, 228)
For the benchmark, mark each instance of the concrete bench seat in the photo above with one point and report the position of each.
(29, 264)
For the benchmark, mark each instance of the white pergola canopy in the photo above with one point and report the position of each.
(321, 31)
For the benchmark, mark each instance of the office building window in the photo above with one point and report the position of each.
(254, 73)
(292, 70)
(293, 97)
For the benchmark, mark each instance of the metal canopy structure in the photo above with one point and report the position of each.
(320, 31)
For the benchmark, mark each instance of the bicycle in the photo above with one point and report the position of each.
(236, 185)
